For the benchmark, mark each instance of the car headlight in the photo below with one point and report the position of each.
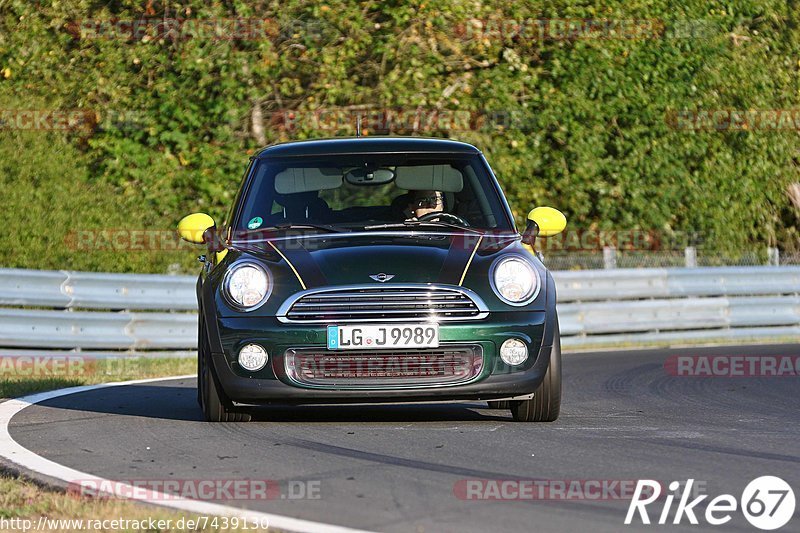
(514, 280)
(247, 285)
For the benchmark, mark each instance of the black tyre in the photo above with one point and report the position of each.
(545, 405)
(208, 391)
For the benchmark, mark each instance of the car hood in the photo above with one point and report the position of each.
(324, 260)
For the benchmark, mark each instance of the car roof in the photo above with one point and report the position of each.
(366, 145)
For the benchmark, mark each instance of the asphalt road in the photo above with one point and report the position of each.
(394, 468)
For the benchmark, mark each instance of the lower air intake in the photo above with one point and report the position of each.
(408, 368)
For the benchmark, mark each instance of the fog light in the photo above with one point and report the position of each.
(252, 357)
(514, 352)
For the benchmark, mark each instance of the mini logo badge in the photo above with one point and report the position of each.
(382, 277)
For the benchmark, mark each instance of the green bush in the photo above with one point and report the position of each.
(58, 217)
(590, 133)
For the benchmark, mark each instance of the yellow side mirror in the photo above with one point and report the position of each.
(192, 227)
(550, 221)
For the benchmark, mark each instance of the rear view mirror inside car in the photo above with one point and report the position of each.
(365, 176)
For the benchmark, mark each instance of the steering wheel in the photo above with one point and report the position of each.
(444, 215)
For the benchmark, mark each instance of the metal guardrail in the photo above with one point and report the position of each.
(682, 305)
(627, 284)
(92, 330)
(88, 290)
(89, 311)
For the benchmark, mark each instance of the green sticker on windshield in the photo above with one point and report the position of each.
(255, 222)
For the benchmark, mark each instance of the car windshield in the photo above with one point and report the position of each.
(371, 192)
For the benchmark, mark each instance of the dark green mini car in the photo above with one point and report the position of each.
(374, 270)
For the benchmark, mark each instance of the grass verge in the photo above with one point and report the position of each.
(28, 375)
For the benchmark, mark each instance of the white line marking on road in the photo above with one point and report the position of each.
(463, 429)
(12, 451)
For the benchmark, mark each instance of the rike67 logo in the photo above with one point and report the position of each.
(767, 503)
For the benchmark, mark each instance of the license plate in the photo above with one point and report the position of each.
(377, 337)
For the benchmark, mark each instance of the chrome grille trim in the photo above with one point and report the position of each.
(386, 303)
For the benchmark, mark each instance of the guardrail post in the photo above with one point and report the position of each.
(690, 256)
(774, 256)
(609, 257)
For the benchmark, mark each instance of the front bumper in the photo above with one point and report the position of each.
(271, 384)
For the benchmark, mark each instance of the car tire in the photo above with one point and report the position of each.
(545, 405)
(209, 394)
(501, 404)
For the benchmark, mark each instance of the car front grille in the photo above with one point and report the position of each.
(422, 302)
(408, 368)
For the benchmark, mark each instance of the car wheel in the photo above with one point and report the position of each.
(502, 404)
(545, 405)
(211, 403)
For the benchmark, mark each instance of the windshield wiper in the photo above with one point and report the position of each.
(330, 228)
(411, 223)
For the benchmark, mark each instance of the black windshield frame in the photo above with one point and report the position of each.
(491, 190)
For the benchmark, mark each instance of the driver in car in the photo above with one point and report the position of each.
(424, 202)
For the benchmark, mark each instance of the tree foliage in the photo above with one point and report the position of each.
(584, 120)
